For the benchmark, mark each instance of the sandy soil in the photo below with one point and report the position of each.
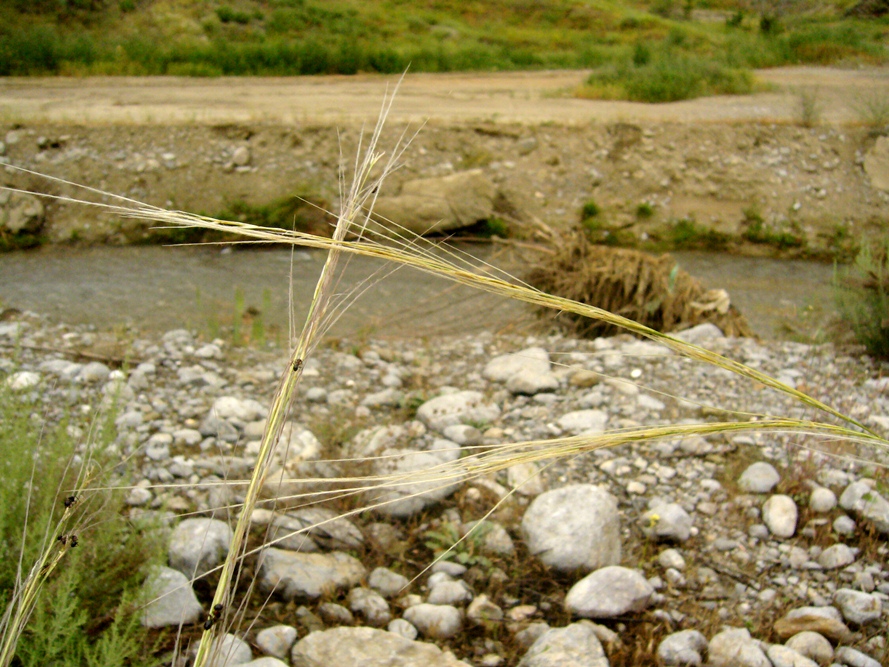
(524, 97)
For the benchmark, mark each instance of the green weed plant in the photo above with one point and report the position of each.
(71, 564)
(862, 295)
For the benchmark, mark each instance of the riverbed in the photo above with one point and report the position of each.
(159, 288)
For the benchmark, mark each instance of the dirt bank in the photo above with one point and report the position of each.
(202, 145)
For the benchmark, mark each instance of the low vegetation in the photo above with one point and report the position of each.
(654, 52)
(71, 565)
(862, 293)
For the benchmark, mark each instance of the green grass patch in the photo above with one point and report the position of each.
(288, 37)
(686, 234)
(666, 75)
(757, 231)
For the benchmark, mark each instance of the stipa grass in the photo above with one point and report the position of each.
(352, 237)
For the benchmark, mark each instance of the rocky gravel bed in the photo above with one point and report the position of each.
(752, 548)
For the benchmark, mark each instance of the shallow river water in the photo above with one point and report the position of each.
(159, 288)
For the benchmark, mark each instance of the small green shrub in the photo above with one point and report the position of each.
(686, 234)
(669, 76)
(862, 296)
(808, 107)
(87, 611)
(446, 543)
(872, 109)
(757, 231)
(644, 210)
(590, 210)
(228, 15)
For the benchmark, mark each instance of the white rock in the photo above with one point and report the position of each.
(198, 545)
(759, 477)
(856, 607)
(671, 558)
(462, 407)
(734, 647)
(421, 482)
(481, 610)
(230, 407)
(583, 421)
(667, 522)
(779, 513)
(229, 650)
(573, 646)
(836, 556)
(299, 576)
(402, 628)
(370, 605)
(784, 656)
(503, 367)
(861, 498)
(575, 527)
(367, 647)
(812, 645)
(849, 656)
(609, 592)
(276, 640)
(449, 592)
(525, 478)
(822, 500)
(172, 601)
(435, 621)
(684, 648)
(387, 583)
(23, 380)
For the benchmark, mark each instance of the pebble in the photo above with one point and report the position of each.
(822, 500)
(576, 645)
(574, 527)
(784, 656)
(812, 645)
(836, 556)
(387, 583)
(667, 522)
(276, 640)
(779, 513)
(608, 593)
(847, 655)
(294, 575)
(172, 600)
(856, 607)
(370, 605)
(198, 545)
(369, 647)
(760, 477)
(734, 647)
(435, 621)
(684, 648)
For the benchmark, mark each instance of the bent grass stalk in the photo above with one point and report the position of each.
(404, 250)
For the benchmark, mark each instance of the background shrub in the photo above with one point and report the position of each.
(862, 294)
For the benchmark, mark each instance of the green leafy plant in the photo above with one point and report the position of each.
(862, 295)
(590, 210)
(446, 542)
(644, 210)
(76, 601)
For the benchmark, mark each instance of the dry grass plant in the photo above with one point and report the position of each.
(352, 236)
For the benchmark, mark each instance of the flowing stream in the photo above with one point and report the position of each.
(160, 288)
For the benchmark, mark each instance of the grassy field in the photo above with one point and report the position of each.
(636, 40)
